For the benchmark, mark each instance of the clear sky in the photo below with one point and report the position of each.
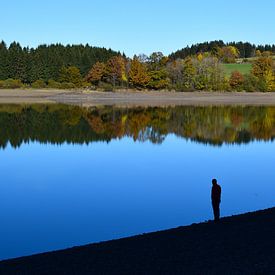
(141, 26)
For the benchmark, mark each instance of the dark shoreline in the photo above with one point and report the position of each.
(241, 244)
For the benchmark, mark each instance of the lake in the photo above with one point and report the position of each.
(72, 175)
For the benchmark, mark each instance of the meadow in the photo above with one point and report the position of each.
(242, 68)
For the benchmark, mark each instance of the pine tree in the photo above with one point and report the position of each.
(3, 61)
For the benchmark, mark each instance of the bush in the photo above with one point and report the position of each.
(236, 81)
(57, 85)
(255, 84)
(38, 84)
(54, 84)
(180, 87)
(11, 84)
(250, 83)
(86, 84)
(67, 85)
(262, 85)
(107, 87)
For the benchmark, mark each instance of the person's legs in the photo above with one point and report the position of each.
(216, 210)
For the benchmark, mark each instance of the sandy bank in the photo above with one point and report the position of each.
(243, 244)
(152, 98)
(166, 98)
(18, 96)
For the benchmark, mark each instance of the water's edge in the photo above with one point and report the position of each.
(216, 245)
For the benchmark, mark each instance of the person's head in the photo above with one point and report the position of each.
(214, 181)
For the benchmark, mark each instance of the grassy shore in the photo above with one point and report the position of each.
(242, 244)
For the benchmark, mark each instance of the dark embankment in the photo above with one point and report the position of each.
(243, 244)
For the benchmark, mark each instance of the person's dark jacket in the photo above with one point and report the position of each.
(216, 193)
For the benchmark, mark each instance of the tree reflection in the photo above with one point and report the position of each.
(57, 124)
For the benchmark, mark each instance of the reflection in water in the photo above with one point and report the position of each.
(61, 123)
(54, 197)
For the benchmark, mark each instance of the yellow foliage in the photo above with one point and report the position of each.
(258, 53)
(124, 77)
(200, 57)
(124, 119)
(234, 51)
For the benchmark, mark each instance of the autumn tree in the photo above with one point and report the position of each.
(229, 54)
(175, 72)
(158, 79)
(138, 75)
(267, 54)
(258, 53)
(96, 73)
(236, 80)
(209, 74)
(263, 69)
(200, 57)
(189, 72)
(116, 70)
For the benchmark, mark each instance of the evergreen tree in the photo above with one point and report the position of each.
(3, 61)
(16, 64)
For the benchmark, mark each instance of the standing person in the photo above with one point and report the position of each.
(216, 199)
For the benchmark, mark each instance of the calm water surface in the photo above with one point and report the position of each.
(72, 176)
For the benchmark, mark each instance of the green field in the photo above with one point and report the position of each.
(242, 68)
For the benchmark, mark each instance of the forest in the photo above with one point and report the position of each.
(46, 61)
(245, 49)
(201, 67)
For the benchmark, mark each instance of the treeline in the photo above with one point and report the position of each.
(59, 124)
(46, 61)
(246, 49)
(202, 72)
(65, 67)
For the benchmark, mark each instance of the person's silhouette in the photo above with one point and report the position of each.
(216, 199)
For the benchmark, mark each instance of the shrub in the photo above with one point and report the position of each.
(38, 84)
(86, 84)
(54, 84)
(11, 84)
(262, 85)
(236, 80)
(181, 87)
(250, 83)
(67, 85)
(107, 87)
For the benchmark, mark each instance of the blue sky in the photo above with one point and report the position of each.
(136, 26)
